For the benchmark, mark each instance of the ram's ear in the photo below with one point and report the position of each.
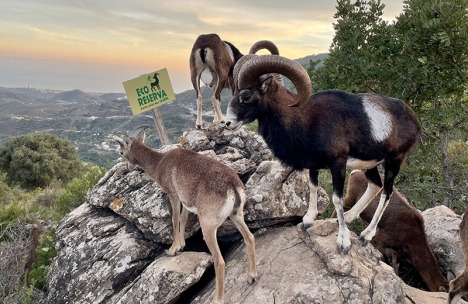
(139, 133)
(266, 83)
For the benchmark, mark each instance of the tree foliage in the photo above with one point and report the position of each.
(35, 160)
(421, 58)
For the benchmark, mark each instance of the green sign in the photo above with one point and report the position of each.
(149, 91)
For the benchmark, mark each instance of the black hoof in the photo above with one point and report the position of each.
(340, 249)
(363, 241)
(304, 227)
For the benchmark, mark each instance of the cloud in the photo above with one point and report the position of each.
(157, 34)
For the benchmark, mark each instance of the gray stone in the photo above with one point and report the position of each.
(289, 271)
(442, 229)
(136, 197)
(98, 253)
(165, 279)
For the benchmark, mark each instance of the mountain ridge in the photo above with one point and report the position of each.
(86, 119)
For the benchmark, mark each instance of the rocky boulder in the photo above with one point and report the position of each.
(111, 249)
(442, 229)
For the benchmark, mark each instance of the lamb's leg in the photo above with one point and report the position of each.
(175, 203)
(209, 234)
(183, 223)
(238, 220)
(312, 212)
(26, 275)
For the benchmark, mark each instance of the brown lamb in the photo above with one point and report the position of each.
(400, 234)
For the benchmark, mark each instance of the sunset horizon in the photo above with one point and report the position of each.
(96, 46)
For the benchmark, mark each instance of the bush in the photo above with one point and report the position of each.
(75, 191)
(36, 160)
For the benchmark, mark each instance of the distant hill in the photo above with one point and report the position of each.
(86, 119)
(75, 96)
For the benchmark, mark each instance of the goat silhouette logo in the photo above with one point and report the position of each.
(154, 84)
(149, 91)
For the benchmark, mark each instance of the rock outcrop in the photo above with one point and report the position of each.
(442, 233)
(111, 249)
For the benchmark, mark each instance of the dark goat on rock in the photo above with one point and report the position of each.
(459, 286)
(400, 234)
(212, 61)
(330, 129)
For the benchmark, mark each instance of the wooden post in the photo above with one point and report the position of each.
(158, 121)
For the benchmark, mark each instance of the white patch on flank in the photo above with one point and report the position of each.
(228, 205)
(354, 163)
(228, 48)
(192, 209)
(381, 124)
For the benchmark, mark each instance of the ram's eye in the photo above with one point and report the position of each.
(121, 153)
(246, 99)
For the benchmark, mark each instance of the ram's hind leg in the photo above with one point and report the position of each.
(374, 185)
(392, 167)
(216, 100)
(312, 212)
(238, 219)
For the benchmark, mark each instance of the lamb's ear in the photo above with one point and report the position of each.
(119, 140)
(139, 133)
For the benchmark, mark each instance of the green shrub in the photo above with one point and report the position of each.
(45, 253)
(75, 191)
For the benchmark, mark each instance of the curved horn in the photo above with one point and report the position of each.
(264, 44)
(139, 132)
(270, 46)
(239, 65)
(265, 64)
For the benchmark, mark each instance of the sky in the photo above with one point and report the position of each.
(95, 45)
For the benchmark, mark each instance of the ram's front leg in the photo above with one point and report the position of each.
(312, 211)
(176, 235)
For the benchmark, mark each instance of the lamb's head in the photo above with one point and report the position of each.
(126, 142)
(255, 87)
(40, 225)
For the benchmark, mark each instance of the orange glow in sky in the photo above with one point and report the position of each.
(96, 45)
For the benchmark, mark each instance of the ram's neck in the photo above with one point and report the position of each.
(280, 125)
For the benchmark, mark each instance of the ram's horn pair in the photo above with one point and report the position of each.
(251, 67)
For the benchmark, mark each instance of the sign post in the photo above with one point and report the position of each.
(148, 92)
(158, 122)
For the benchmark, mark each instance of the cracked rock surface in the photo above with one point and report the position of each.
(111, 248)
(290, 271)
